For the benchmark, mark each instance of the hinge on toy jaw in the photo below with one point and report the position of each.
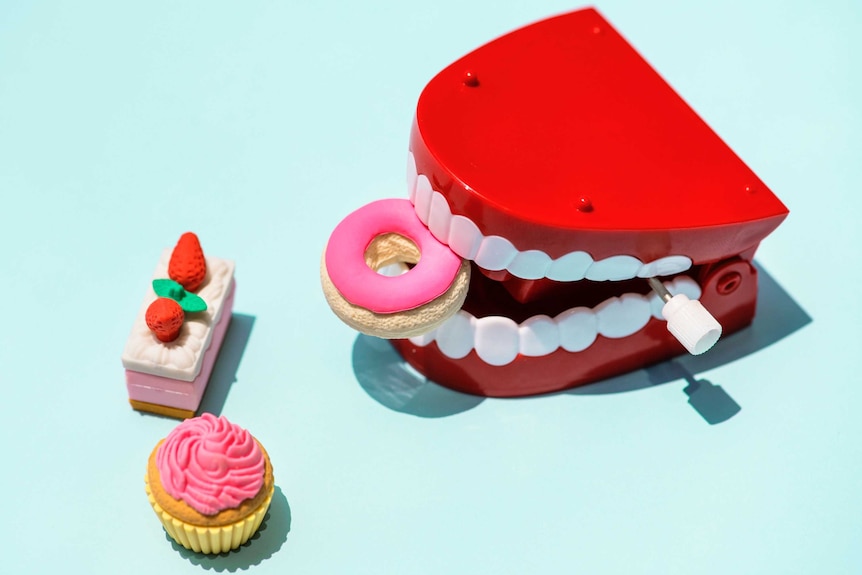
(728, 287)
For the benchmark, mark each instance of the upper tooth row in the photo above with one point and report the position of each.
(497, 253)
(499, 340)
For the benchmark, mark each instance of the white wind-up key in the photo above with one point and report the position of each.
(687, 320)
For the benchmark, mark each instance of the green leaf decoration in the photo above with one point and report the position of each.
(192, 303)
(189, 302)
(168, 288)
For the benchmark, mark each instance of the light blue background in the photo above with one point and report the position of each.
(259, 125)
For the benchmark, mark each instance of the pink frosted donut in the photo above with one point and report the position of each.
(362, 286)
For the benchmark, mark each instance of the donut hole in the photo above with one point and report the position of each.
(392, 254)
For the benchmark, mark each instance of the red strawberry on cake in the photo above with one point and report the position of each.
(188, 266)
(175, 340)
(165, 318)
(571, 176)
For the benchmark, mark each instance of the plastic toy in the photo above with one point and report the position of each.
(178, 333)
(573, 178)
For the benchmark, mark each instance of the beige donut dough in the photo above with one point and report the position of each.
(383, 251)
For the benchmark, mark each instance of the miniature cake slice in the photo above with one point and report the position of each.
(176, 337)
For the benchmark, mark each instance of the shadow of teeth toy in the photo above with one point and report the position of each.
(591, 214)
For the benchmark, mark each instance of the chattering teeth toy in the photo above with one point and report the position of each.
(570, 218)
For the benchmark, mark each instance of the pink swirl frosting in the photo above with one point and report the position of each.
(210, 463)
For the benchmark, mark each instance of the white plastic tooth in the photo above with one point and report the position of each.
(681, 285)
(495, 253)
(455, 337)
(614, 268)
(539, 335)
(656, 304)
(464, 237)
(686, 285)
(422, 202)
(530, 265)
(667, 266)
(411, 177)
(423, 339)
(497, 340)
(578, 328)
(622, 316)
(393, 270)
(440, 217)
(570, 267)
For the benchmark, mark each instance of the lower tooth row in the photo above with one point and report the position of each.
(499, 340)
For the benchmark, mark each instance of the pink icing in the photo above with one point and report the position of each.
(362, 286)
(210, 463)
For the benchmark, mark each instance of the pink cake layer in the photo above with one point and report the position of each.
(174, 392)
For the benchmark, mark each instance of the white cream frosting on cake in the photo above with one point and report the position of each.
(182, 358)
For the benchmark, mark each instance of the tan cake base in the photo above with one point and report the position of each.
(218, 533)
(174, 412)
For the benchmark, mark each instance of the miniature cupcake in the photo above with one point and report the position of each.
(210, 483)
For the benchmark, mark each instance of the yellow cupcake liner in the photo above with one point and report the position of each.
(218, 539)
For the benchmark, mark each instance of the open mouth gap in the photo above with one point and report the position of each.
(520, 299)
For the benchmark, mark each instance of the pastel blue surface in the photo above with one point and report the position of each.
(259, 125)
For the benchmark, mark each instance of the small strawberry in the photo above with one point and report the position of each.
(165, 318)
(187, 265)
